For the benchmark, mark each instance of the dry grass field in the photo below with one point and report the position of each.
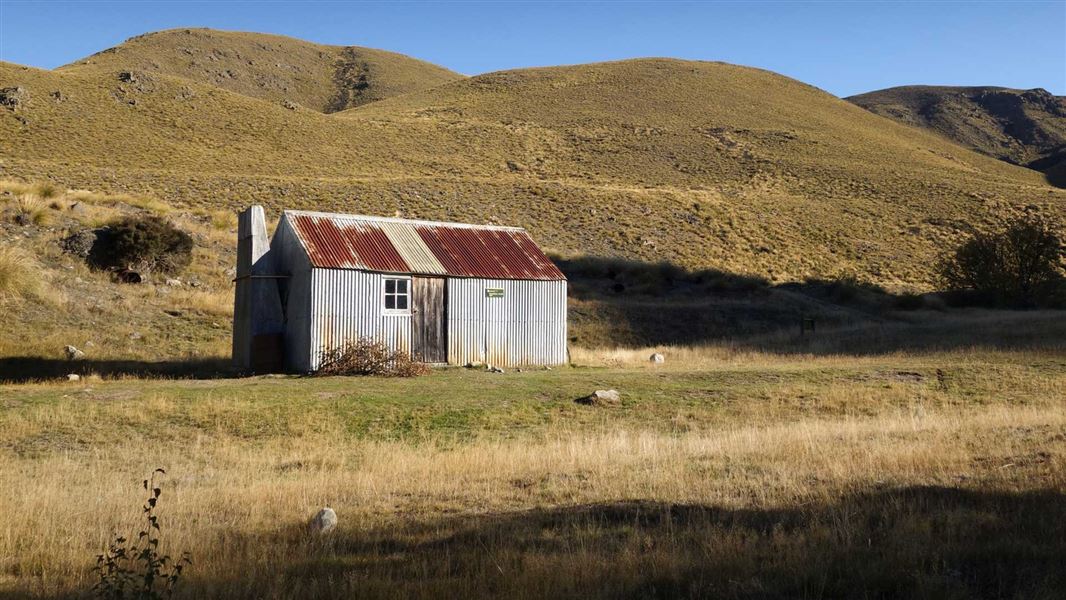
(699, 164)
(727, 472)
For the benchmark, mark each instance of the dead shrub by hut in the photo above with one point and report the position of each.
(369, 357)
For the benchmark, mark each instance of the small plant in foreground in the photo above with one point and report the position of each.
(136, 568)
(369, 357)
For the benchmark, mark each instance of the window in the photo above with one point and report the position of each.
(397, 295)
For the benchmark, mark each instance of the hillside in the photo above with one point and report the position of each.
(699, 164)
(1023, 127)
(271, 67)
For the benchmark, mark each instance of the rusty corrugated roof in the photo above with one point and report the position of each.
(337, 241)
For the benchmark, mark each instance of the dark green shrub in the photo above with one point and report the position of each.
(143, 244)
(1019, 266)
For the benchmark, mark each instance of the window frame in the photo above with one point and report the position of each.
(395, 312)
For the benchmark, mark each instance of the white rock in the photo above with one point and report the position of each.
(325, 521)
(601, 398)
(73, 377)
(657, 358)
(73, 353)
(173, 282)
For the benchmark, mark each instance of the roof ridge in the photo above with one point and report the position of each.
(457, 225)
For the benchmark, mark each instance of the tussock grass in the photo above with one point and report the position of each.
(32, 209)
(22, 278)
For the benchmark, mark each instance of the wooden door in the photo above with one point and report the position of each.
(428, 329)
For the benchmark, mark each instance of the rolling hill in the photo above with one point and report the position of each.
(271, 67)
(696, 163)
(1022, 127)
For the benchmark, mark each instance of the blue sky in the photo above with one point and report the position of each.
(842, 47)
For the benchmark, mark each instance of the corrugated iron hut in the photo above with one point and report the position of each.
(445, 292)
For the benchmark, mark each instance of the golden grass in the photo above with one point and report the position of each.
(270, 67)
(144, 202)
(774, 178)
(22, 278)
(216, 303)
(33, 209)
(595, 512)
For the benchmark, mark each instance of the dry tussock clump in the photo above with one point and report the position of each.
(31, 209)
(369, 357)
(21, 277)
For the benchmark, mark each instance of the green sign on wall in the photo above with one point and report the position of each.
(494, 292)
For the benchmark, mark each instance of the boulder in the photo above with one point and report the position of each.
(173, 282)
(657, 358)
(79, 243)
(73, 353)
(324, 522)
(600, 398)
(73, 377)
(127, 276)
(13, 97)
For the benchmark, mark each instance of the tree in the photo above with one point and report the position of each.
(1020, 265)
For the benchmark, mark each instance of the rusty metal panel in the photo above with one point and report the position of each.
(340, 243)
(421, 247)
(525, 324)
(348, 305)
(491, 253)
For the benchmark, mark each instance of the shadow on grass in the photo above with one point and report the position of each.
(916, 542)
(21, 369)
(617, 302)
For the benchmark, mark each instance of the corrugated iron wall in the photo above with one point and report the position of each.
(347, 305)
(292, 262)
(526, 326)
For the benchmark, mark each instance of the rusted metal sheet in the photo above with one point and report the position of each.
(421, 247)
(336, 244)
(497, 253)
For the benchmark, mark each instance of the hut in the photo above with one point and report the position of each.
(447, 293)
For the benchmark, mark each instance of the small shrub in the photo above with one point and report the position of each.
(1019, 266)
(143, 243)
(135, 568)
(369, 357)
